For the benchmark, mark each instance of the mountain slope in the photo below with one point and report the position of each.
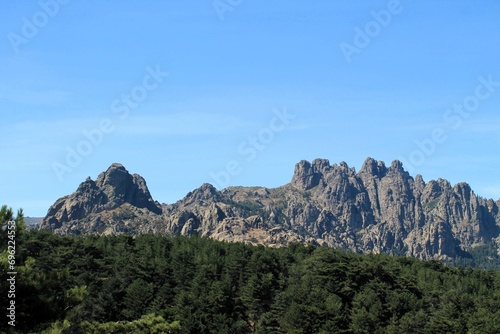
(378, 209)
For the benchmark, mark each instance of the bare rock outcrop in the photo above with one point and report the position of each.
(113, 189)
(378, 209)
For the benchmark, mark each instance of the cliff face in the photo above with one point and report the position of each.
(378, 209)
(85, 210)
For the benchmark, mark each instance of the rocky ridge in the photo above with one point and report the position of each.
(378, 209)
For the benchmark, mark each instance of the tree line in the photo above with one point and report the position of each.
(157, 284)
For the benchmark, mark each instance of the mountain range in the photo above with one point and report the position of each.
(377, 209)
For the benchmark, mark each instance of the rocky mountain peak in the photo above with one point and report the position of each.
(305, 175)
(308, 176)
(87, 186)
(397, 168)
(462, 188)
(203, 193)
(372, 167)
(321, 165)
(397, 165)
(121, 187)
(419, 182)
(116, 183)
(112, 189)
(378, 209)
(114, 176)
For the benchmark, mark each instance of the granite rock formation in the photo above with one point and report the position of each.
(113, 190)
(378, 209)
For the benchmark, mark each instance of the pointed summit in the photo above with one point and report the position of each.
(373, 167)
(205, 192)
(305, 175)
(117, 183)
(112, 188)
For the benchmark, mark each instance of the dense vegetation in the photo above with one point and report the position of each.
(155, 284)
(486, 257)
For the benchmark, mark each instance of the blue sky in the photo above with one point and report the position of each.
(252, 88)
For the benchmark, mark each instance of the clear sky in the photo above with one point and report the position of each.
(237, 92)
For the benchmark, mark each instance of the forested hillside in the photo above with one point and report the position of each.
(156, 284)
